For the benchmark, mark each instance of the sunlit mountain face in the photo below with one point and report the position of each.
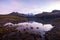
(28, 6)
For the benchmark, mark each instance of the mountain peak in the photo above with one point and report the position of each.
(56, 11)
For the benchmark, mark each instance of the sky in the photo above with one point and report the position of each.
(28, 6)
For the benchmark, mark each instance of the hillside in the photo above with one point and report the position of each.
(47, 17)
(11, 18)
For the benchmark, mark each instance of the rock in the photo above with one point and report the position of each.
(54, 34)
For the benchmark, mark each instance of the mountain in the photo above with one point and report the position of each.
(21, 14)
(53, 14)
(55, 11)
(47, 17)
(17, 14)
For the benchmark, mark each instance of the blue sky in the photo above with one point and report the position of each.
(28, 6)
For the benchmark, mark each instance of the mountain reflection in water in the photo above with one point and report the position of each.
(32, 27)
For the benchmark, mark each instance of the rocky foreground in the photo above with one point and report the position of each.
(10, 33)
(54, 34)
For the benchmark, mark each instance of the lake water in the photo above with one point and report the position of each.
(33, 27)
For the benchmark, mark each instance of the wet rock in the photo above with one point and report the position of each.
(54, 34)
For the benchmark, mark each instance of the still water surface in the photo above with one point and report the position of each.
(33, 27)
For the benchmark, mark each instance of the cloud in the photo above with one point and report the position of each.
(28, 6)
(52, 6)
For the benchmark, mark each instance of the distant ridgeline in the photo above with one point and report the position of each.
(48, 17)
(53, 14)
(44, 17)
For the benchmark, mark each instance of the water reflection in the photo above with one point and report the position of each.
(32, 27)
